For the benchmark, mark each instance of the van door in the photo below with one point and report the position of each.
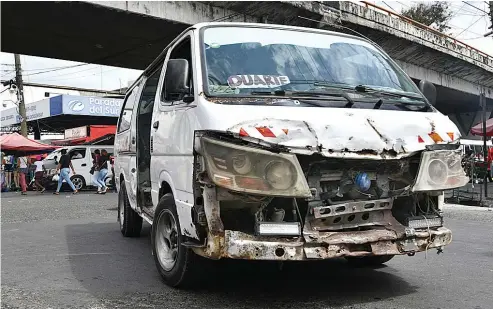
(80, 163)
(172, 134)
(144, 112)
(125, 144)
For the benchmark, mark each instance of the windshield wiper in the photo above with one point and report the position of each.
(350, 102)
(368, 89)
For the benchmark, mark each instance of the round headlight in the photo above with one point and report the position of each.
(280, 175)
(242, 163)
(437, 171)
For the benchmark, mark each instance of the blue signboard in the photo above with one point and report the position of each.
(91, 106)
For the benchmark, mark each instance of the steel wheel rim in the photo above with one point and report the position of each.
(121, 210)
(77, 183)
(166, 240)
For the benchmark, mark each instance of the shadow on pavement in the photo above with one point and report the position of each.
(125, 272)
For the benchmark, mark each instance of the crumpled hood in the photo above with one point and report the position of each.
(338, 132)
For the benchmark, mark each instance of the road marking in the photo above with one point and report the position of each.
(59, 255)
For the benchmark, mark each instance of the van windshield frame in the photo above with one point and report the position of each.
(409, 85)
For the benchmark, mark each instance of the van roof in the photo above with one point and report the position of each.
(231, 24)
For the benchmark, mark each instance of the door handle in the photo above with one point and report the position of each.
(83, 164)
(155, 125)
(133, 139)
(133, 170)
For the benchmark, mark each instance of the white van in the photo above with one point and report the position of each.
(82, 162)
(267, 142)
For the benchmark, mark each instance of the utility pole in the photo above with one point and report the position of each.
(20, 94)
(491, 20)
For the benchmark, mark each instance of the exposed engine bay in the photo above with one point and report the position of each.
(353, 207)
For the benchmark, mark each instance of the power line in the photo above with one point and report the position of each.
(53, 70)
(476, 7)
(94, 74)
(469, 26)
(403, 4)
(389, 6)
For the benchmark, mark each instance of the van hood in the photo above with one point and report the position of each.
(337, 132)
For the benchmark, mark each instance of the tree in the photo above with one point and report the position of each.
(435, 15)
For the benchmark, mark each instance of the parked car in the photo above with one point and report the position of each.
(82, 162)
(269, 142)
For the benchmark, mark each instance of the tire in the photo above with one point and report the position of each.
(78, 181)
(130, 221)
(368, 261)
(178, 265)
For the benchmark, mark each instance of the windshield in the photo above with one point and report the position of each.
(248, 61)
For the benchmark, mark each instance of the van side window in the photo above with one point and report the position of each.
(79, 153)
(148, 95)
(128, 106)
(181, 51)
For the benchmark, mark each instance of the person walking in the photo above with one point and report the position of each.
(103, 170)
(16, 167)
(95, 169)
(38, 174)
(64, 166)
(23, 169)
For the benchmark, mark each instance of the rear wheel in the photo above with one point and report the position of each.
(368, 261)
(178, 265)
(130, 221)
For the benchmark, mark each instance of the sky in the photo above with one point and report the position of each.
(468, 24)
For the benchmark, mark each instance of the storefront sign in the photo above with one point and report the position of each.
(91, 106)
(76, 132)
(34, 111)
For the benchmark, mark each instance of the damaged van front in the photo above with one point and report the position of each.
(319, 146)
(267, 142)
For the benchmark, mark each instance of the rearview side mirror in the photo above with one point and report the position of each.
(429, 91)
(176, 79)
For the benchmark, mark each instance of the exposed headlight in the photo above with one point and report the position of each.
(252, 170)
(440, 170)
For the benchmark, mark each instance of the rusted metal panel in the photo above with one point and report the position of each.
(240, 245)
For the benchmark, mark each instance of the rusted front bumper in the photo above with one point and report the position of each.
(238, 245)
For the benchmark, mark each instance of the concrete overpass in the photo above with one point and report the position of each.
(131, 34)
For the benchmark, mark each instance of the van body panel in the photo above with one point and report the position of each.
(332, 132)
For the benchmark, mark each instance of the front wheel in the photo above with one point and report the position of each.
(178, 265)
(78, 181)
(368, 261)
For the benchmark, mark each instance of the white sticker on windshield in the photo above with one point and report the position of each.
(257, 81)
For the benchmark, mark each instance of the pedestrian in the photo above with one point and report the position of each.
(38, 174)
(16, 175)
(9, 170)
(103, 170)
(2, 162)
(22, 170)
(95, 169)
(64, 166)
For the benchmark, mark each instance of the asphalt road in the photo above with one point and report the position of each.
(67, 252)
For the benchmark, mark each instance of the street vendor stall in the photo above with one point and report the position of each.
(17, 145)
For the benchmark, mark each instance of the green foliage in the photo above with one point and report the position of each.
(435, 15)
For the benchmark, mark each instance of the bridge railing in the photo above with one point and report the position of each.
(418, 24)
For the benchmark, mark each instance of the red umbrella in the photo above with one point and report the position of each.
(478, 129)
(17, 143)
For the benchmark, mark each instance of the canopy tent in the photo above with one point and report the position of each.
(15, 143)
(478, 129)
